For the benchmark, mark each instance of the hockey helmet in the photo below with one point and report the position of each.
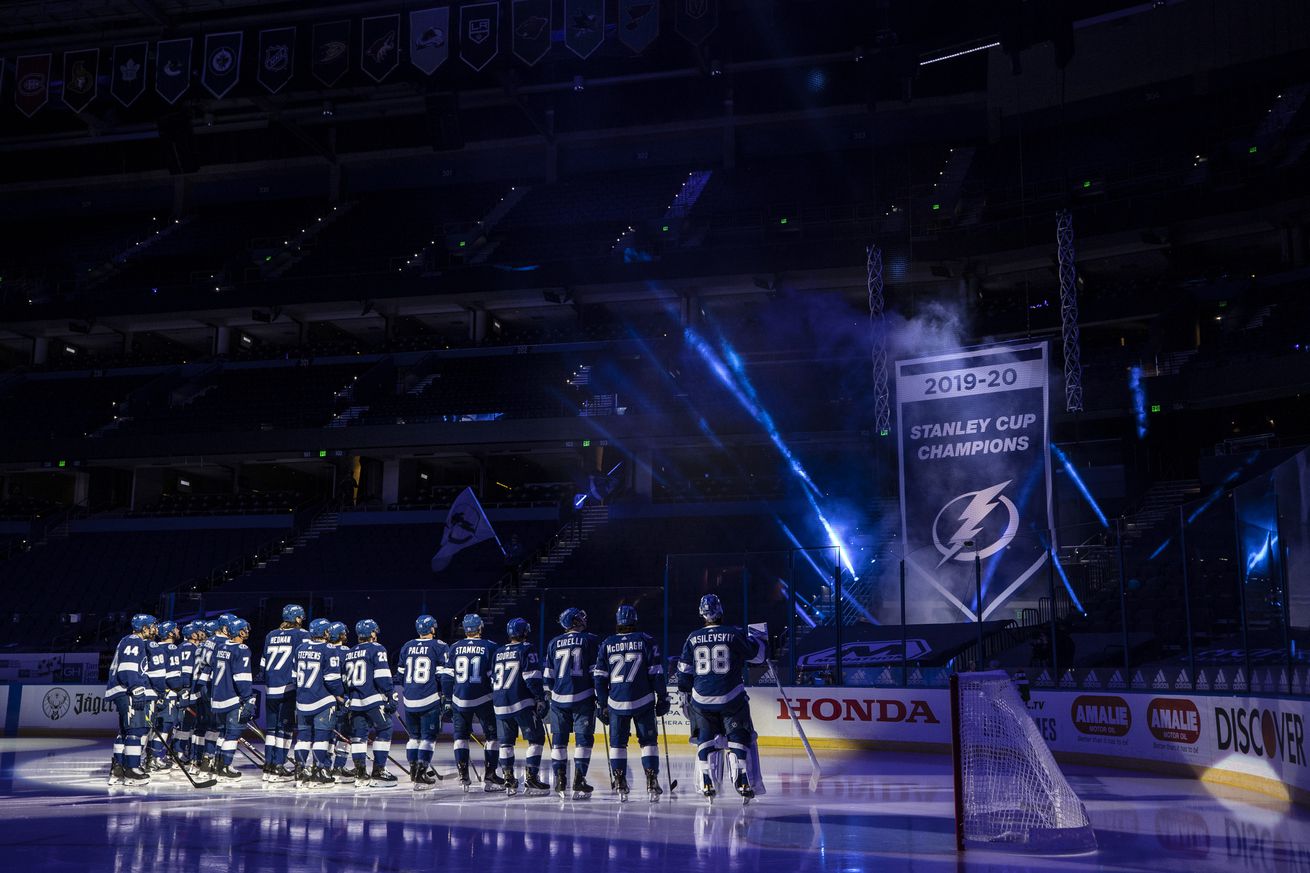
(166, 629)
(517, 629)
(318, 628)
(365, 627)
(472, 624)
(235, 626)
(573, 618)
(424, 625)
(626, 616)
(293, 612)
(711, 608)
(143, 620)
(211, 627)
(336, 632)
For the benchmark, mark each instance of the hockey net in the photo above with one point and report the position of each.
(1008, 788)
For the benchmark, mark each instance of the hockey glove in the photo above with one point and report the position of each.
(390, 706)
(543, 707)
(662, 706)
(139, 699)
(247, 710)
(684, 703)
(447, 709)
(603, 711)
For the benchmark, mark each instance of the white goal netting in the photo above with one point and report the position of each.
(1010, 788)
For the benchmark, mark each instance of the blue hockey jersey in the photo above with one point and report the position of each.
(186, 653)
(368, 676)
(156, 668)
(515, 678)
(205, 662)
(420, 667)
(569, 661)
(318, 676)
(629, 672)
(174, 680)
(713, 664)
(467, 675)
(231, 679)
(127, 671)
(277, 662)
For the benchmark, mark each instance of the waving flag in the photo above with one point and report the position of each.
(466, 526)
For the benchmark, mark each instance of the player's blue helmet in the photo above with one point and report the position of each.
(517, 629)
(626, 616)
(365, 627)
(573, 618)
(711, 607)
(143, 620)
(424, 624)
(293, 612)
(225, 621)
(166, 629)
(472, 624)
(211, 627)
(336, 631)
(318, 628)
(236, 626)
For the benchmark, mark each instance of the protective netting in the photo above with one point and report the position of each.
(1013, 791)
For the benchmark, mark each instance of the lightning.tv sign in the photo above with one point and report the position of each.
(974, 443)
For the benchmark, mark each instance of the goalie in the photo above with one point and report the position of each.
(714, 698)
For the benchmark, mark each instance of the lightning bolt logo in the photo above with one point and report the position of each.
(980, 505)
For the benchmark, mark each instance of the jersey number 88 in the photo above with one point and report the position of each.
(712, 659)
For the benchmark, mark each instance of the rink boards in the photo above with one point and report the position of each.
(1252, 742)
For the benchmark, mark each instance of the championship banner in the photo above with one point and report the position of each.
(639, 23)
(696, 19)
(331, 51)
(479, 32)
(974, 442)
(584, 26)
(80, 82)
(127, 79)
(172, 68)
(222, 62)
(379, 42)
(429, 38)
(532, 26)
(31, 83)
(277, 58)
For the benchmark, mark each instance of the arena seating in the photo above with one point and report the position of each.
(243, 503)
(63, 407)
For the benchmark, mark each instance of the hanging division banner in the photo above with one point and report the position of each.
(479, 34)
(973, 437)
(127, 79)
(331, 51)
(277, 58)
(532, 26)
(172, 68)
(639, 23)
(584, 26)
(696, 19)
(222, 62)
(31, 83)
(429, 38)
(379, 43)
(80, 82)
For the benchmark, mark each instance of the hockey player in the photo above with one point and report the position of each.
(567, 677)
(127, 689)
(230, 699)
(319, 692)
(192, 634)
(372, 703)
(466, 693)
(166, 659)
(711, 669)
(630, 689)
(215, 637)
(419, 669)
(342, 770)
(519, 699)
(279, 698)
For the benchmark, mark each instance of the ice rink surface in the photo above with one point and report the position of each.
(872, 811)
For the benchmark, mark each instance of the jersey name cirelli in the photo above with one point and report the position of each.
(569, 661)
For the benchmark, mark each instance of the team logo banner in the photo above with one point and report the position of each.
(127, 79)
(639, 23)
(80, 84)
(172, 68)
(531, 29)
(584, 26)
(331, 51)
(479, 30)
(222, 62)
(696, 19)
(277, 58)
(32, 85)
(429, 38)
(379, 42)
(974, 435)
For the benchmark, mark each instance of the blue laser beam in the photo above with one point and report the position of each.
(1082, 486)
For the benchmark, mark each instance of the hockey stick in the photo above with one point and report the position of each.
(609, 762)
(800, 731)
(668, 762)
(434, 769)
(349, 742)
(207, 783)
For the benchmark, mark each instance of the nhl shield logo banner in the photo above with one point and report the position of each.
(429, 38)
(277, 58)
(531, 23)
(379, 44)
(639, 23)
(974, 443)
(584, 26)
(479, 30)
(80, 78)
(696, 19)
(331, 51)
(31, 83)
(172, 68)
(222, 62)
(127, 79)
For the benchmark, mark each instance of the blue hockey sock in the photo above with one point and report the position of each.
(461, 756)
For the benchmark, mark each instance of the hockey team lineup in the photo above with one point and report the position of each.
(185, 699)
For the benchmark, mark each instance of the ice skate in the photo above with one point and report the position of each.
(621, 786)
(707, 785)
(653, 790)
(135, 776)
(581, 789)
(743, 786)
(464, 777)
(115, 774)
(227, 773)
(532, 784)
(419, 777)
(511, 783)
(561, 784)
(380, 778)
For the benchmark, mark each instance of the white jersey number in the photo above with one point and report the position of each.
(716, 659)
(507, 672)
(618, 663)
(358, 674)
(418, 669)
(468, 669)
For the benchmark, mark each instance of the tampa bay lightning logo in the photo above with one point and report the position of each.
(986, 518)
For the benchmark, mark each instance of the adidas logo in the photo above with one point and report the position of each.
(130, 70)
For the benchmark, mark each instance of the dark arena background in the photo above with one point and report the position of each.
(635, 435)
